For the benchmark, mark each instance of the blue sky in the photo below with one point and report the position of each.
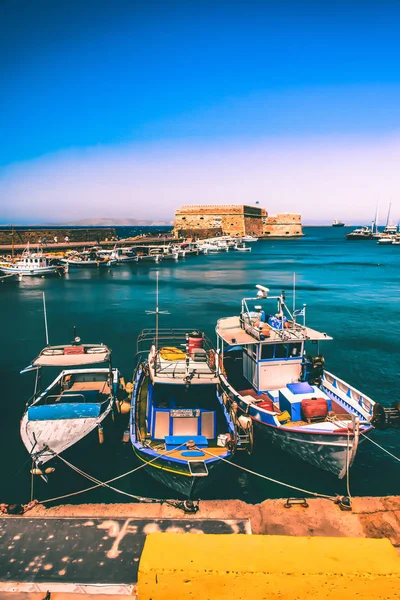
(129, 108)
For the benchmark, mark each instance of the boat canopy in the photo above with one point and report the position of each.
(234, 332)
(72, 355)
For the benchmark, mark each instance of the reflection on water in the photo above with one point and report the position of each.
(351, 291)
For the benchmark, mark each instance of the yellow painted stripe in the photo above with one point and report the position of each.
(257, 567)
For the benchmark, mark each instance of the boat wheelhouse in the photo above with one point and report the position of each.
(268, 375)
(74, 405)
(179, 425)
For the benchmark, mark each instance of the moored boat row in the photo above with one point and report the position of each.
(192, 406)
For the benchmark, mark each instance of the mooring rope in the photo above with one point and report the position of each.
(381, 447)
(288, 485)
(106, 483)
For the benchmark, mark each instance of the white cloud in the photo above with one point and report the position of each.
(321, 177)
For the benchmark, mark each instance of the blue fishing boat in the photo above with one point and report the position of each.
(76, 404)
(269, 375)
(179, 425)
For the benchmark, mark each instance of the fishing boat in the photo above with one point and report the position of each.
(33, 264)
(179, 425)
(269, 375)
(88, 259)
(76, 404)
(249, 238)
(336, 223)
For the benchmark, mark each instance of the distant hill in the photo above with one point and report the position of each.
(110, 222)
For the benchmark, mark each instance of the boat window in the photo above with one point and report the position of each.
(294, 350)
(177, 396)
(267, 351)
(280, 351)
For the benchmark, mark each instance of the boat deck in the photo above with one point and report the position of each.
(159, 446)
(230, 331)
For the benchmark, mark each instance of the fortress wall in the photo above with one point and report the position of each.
(283, 225)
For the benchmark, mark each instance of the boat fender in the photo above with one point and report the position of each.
(125, 436)
(129, 389)
(101, 434)
(244, 421)
(36, 472)
(49, 470)
(124, 407)
(122, 383)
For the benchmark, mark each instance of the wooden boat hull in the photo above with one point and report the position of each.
(177, 476)
(39, 272)
(328, 452)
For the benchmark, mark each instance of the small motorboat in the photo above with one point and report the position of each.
(268, 374)
(337, 223)
(242, 248)
(76, 404)
(361, 233)
(87, 260)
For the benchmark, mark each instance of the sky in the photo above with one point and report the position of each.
(129, 109)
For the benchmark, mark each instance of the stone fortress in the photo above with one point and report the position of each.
(208, 220)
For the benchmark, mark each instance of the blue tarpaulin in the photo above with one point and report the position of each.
(53, 412)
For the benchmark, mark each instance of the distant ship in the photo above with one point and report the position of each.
(337, 223)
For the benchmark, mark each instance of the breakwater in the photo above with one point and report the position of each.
(36, 235)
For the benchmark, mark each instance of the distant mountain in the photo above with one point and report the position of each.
(110, 222)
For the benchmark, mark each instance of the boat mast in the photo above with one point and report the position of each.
(12, 241)
(45, 320)
(388, 217)
(376, 218)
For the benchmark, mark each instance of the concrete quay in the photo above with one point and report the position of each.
(318, 551)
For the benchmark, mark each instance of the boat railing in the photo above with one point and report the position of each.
(61, 399)
(177, 336)
(348, 393)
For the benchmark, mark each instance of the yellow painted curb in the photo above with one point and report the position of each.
(244, 567)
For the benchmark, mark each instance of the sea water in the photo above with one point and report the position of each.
(351, 289)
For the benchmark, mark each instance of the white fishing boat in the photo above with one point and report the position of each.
(267, 374)
(33, 264)
(76, 404)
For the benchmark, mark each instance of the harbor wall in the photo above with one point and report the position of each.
(35, 236)
(203, 221)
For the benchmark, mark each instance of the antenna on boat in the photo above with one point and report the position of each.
(45, 320)
(294, 292)
(157, 311)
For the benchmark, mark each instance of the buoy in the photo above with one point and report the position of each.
(36, 472)
(125, 437)
(124, 407)
(129, 389)
(101, 434)
(49, 470)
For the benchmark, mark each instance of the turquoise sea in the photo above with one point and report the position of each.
(351, 290)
